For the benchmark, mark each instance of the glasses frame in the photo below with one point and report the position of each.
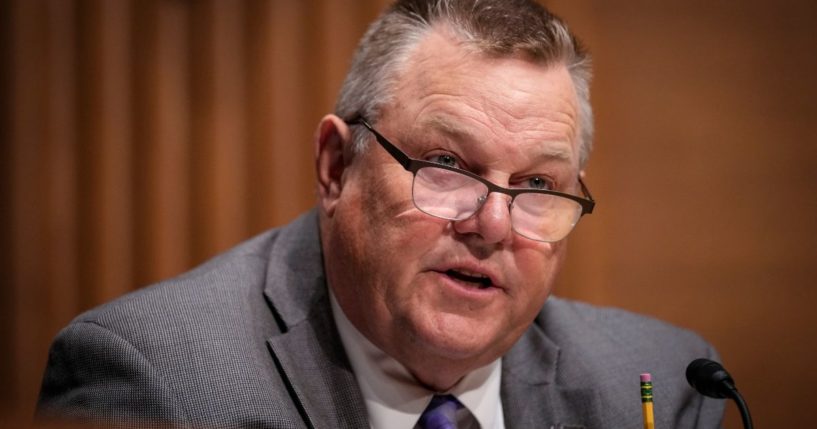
(413, 165)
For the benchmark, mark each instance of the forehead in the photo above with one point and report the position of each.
(448, 87)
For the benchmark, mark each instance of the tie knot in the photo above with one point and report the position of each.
(440, 413)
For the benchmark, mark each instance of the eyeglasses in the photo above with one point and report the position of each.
(454, 194)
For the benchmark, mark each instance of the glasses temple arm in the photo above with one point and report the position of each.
(401, 157)
(589, 197)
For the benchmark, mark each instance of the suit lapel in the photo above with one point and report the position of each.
(307, 352)
(530, 394)
(319, 374)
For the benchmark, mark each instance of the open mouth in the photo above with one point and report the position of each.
(479, 281)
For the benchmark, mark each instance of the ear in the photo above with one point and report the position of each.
(331, 139)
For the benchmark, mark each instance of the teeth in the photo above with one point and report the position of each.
(481, 280)
(472, 274)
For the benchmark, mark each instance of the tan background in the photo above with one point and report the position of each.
(141, 137)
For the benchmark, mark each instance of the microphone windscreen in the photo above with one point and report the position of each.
(709, 378)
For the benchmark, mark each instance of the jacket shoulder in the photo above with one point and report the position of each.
(563, 318)
(199, 338)
(606, 349)
(220, 280)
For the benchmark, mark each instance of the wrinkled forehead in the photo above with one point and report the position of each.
(448, 87)
(457, 129)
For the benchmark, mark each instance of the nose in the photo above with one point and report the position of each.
(492, 222)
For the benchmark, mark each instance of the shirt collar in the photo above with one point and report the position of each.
(393, 397)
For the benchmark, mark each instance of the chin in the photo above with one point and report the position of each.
(458, 338)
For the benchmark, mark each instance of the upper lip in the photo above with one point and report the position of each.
(473, 270)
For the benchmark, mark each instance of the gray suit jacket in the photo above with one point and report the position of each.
(248, 340)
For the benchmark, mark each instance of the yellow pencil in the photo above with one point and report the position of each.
(646, 401)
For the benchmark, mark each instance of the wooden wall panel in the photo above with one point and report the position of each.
(278, 79)
(59, 162)
(219, 145)
(140, 137)
(26, 187)
(162, 165)
(7, 282)
(108, 146)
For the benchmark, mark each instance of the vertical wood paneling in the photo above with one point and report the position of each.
(337, 43)
(107, 150)
(28, 183)
(289, 164)
(60, 161)
(7, 282)
(261, 123)
(219, 138)
(163, 141)
(171, 184)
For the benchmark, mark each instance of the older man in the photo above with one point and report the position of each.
(416, 295)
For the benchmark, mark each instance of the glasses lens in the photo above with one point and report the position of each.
(544, 217)
(454, 196)
(447, 194)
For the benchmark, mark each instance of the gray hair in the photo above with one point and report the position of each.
(494, 27)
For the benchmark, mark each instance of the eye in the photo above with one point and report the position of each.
(540, 183)
(444, 159)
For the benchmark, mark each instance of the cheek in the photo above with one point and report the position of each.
(369, 202)
(390, 218)
(388, 234)
(538, 267)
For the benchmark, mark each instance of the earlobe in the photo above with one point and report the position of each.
(330, 139)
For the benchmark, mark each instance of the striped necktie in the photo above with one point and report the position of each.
(440, 413)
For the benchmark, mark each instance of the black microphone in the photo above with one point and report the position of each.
(709, 378)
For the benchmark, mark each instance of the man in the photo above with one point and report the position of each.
(417, 292)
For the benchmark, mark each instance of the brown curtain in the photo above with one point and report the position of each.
(140, 137)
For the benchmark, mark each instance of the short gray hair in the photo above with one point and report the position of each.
(495, 27)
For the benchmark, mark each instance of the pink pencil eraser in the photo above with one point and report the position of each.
(646, 377)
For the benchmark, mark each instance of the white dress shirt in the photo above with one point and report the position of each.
(395, 400)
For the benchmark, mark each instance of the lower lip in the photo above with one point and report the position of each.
(465, 289)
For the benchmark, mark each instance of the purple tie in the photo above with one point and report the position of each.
(440, 413)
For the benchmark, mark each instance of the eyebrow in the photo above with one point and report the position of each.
(556, 153)
(548, 152)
